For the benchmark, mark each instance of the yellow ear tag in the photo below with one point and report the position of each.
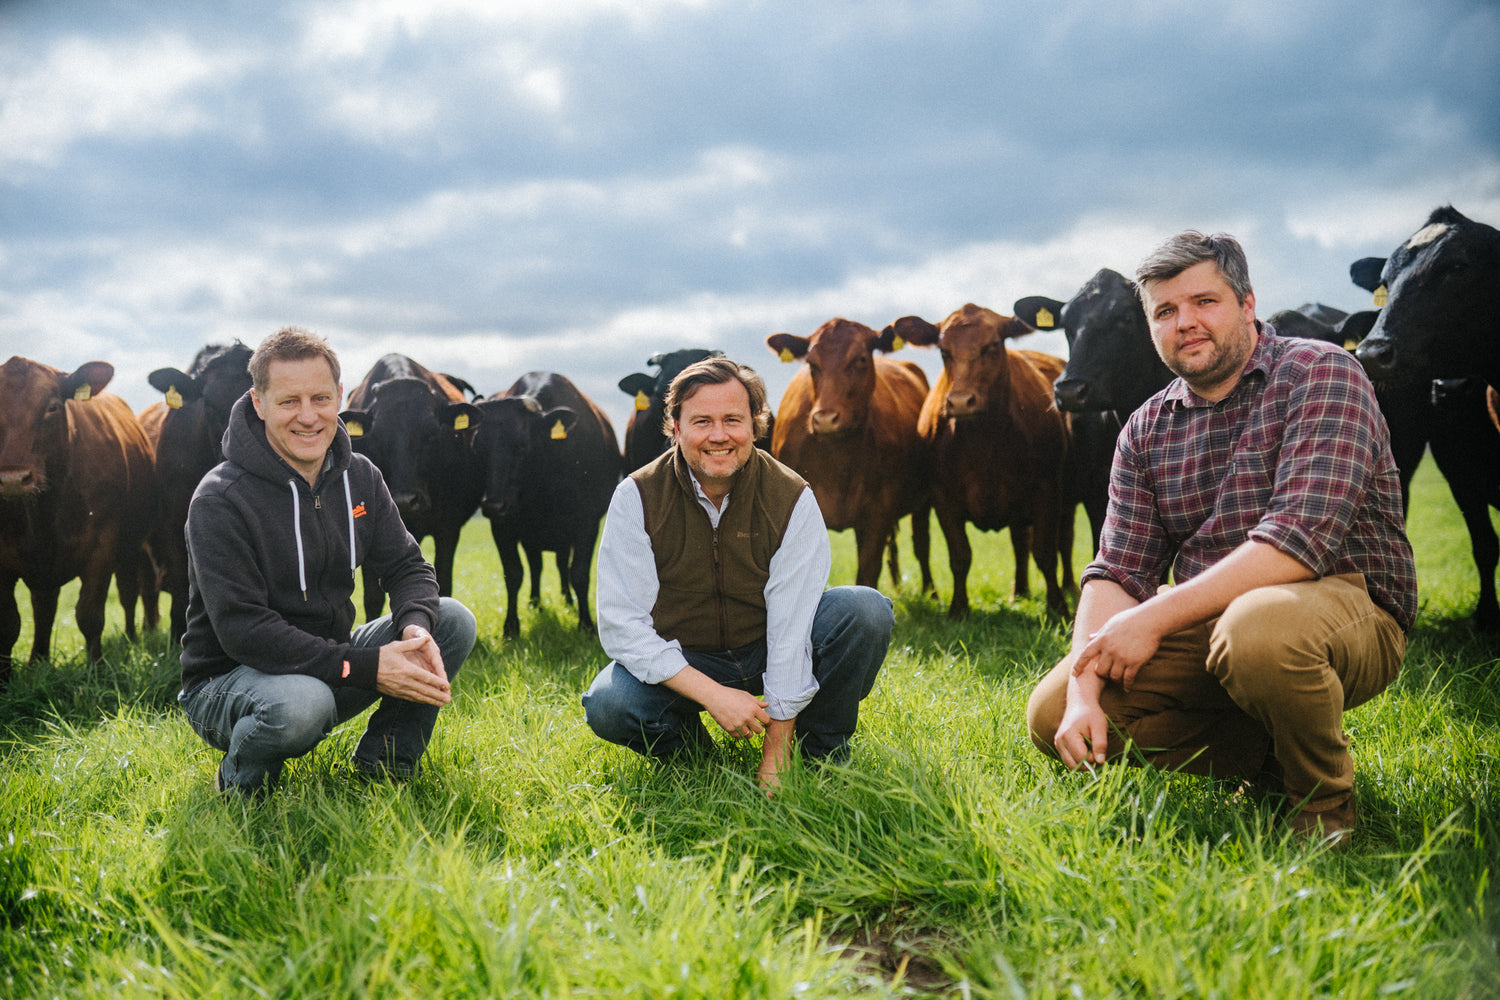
(896, 342)
(461, 422)
(1381, 295)
(559, 432)
(1350, 344)
(83, 392)
(355, 428)
(1045, 319)
(787, 355)
(642, 401)
(174, 398)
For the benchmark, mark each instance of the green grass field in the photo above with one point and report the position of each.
(948, 859)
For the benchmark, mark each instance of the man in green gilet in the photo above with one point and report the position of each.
(711, 594)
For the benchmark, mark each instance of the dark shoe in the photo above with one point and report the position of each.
(1333, 827)
(238, 793)
(383, 771)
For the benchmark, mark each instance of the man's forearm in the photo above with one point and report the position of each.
(1253, 564)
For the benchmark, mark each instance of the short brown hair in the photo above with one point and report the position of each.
(1182, 251)
(290, 343)
(717, 371)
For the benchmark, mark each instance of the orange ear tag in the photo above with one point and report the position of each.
(1045, 320)
(355, 428)
(83, 392)
(559, 432)
(787, 355)
(461, 422)
(174, 398)
(1381, 296)
(642, 401)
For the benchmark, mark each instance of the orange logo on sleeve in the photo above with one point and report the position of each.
(359, 510)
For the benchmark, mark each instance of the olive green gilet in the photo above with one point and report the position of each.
(712, 584)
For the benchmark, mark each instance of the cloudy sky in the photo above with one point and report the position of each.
(497, 186)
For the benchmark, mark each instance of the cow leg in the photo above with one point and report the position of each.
(374, 594)
(43, 615)
(960, 557)
(578, 576)
(921, 546)
(535, 559)
(1044, 551)
(10, 625)
(893, 560)
(444, 547)
(1020, 548)
(869, 544)
(564, 566)
(129, 570)
(508, 546)
(1486, 549)
(1065, 547)
(90, 610)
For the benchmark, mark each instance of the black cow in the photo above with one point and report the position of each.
(418, 429)
(189, 437)
(1440, 292)
(550, 464)
(1112, 368)
(644, 437)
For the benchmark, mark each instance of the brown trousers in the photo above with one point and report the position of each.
(1264, 684)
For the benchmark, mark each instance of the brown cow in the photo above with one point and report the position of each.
(848, 425)
(77, 493)
(998, 446)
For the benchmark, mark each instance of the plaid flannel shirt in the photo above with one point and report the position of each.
(1297, 456)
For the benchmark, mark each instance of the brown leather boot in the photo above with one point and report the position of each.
(1334, 826)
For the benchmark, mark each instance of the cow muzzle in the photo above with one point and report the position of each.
(1071, 395)
(16, 484)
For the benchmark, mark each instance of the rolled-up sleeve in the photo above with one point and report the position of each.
(1327, 461)
(1133, 547)
(799, 573)
(626, 592)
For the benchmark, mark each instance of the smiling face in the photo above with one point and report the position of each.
(1202, 332)
(716, 434)
(301, 410)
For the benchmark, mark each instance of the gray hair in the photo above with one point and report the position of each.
(717, 371)
(290, 343)
(1180, 252)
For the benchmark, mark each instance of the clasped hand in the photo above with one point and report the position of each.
(739, 713)
(1120, 648)
(411, 668)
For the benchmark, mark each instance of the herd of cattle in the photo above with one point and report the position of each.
(1005, 438)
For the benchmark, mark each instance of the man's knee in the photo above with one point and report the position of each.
(298, 718)
(853, 612)
(606, 707)
(456, 631)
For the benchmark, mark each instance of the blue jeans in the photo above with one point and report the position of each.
(262, 720)
(850, 634)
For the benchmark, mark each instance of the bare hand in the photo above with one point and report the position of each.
(1083, 735)
(1120, 648)
(775, 753)
(739, 713)
(404, 672)
(428, 652)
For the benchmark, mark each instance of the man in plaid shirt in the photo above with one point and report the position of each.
(1262, 477)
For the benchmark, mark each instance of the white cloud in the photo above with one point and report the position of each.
(141, 90)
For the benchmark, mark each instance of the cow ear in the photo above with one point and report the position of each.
(788, 347)
(912, 330)
(656, 359)
(1039, 311)
(888, 340)
(461, 385)
(559, 422)
(1365, 272)
(178, 386)
(1015, 327)
(356, 422)
(636, 383)
(88, 381)
(1355, 327)
(459, 417)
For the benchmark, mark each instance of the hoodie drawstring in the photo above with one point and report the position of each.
(349, 507)
(297, 527)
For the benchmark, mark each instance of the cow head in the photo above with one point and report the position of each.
(840, 358)
(408, 428)
(515, 434)
(1112, 364)
(645, 438)
(1311, 321)
(975, 358)
(1440, 292)
(34, 421)
(218, 377)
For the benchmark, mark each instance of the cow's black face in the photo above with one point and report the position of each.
(502, 446)
(1442, 290)
(1112, 364)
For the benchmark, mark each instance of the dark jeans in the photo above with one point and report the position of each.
(262, 720)
(850, 634)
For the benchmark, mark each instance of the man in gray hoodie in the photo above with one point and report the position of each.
(275, 533)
